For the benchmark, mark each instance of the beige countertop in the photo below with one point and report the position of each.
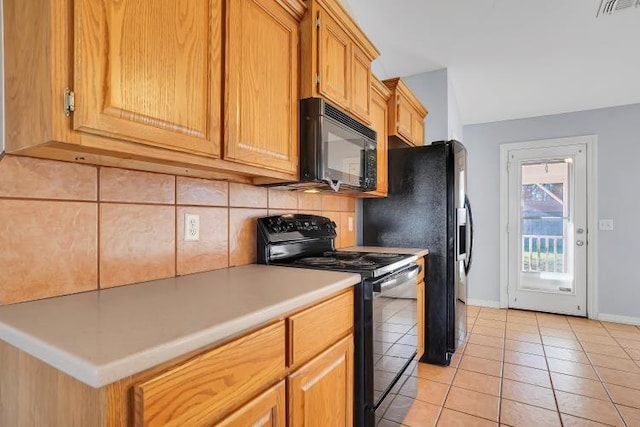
(408, 251)
(102, 336)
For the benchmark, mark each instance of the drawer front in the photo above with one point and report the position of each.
(317, 328)
(200, 391)
(422, 265)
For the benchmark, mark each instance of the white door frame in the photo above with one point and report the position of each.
(592, 214)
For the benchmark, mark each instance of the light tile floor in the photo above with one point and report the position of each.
(521, 368)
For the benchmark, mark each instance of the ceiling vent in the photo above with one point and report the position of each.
(609, 7)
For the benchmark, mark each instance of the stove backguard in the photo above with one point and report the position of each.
(293, 235)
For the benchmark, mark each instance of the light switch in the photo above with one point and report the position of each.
(350, 223)
(605, 225)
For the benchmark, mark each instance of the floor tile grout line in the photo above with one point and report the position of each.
(457, 368)
(602, 382)
(471, 325)
(553, 390)
(504, 345)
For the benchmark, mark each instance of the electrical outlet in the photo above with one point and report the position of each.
(191, 228)
(605, 225)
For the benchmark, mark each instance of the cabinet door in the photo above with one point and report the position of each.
(379, 124)
(360, 84)
(421, 318)
(266, 410)
(150, 72)
(404, 119)
(261, 93)
(321, 392)
(417, 129)
(334, 57)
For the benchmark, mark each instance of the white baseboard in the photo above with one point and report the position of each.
(483, 303)
(619, 319)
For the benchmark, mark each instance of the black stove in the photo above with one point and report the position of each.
(307, 241)
(380, 300)
(368, 264)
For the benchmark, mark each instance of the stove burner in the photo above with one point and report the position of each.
(317, 261)
(358, 263)
(343, 255)
(380, 256)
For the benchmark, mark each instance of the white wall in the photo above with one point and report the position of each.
(435, 90)
(618, 132)
(454, 122)
(431, 89)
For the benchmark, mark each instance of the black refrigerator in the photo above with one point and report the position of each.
(427, 207)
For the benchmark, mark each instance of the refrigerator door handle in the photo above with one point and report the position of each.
(467, 263)
(461, 234)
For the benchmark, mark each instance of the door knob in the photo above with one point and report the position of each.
(579, 242)
(580, 230)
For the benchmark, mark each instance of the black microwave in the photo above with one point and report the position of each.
(337, 152)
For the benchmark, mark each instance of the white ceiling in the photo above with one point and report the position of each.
(510, 58)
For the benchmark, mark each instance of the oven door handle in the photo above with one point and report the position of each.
(396, 279)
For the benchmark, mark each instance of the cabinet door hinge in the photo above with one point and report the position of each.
(69, 102)
(317, 79)
(318, 22)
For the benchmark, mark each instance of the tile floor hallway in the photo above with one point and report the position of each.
(521, 368)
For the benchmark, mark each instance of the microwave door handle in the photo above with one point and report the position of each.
(397, 279)
(335, 185)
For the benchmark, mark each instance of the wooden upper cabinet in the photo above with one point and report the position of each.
(334, 51)
(150, 79)
(404, 118)
(379, 122)
(150, 72)
(336, 56)
(261, 108)
(417, 130)
(406, 113)
(360, 83)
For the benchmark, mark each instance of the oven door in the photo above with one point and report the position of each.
(394, 330)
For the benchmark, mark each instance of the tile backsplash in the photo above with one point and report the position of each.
(67, 228)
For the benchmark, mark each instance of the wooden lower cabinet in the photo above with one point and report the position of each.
(317, 328)
(421, 306)
(321, 392)
(421, 318)
(200, 391)
(266, 410)
(245, 382)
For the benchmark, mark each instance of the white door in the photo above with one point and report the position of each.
(547, 229)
